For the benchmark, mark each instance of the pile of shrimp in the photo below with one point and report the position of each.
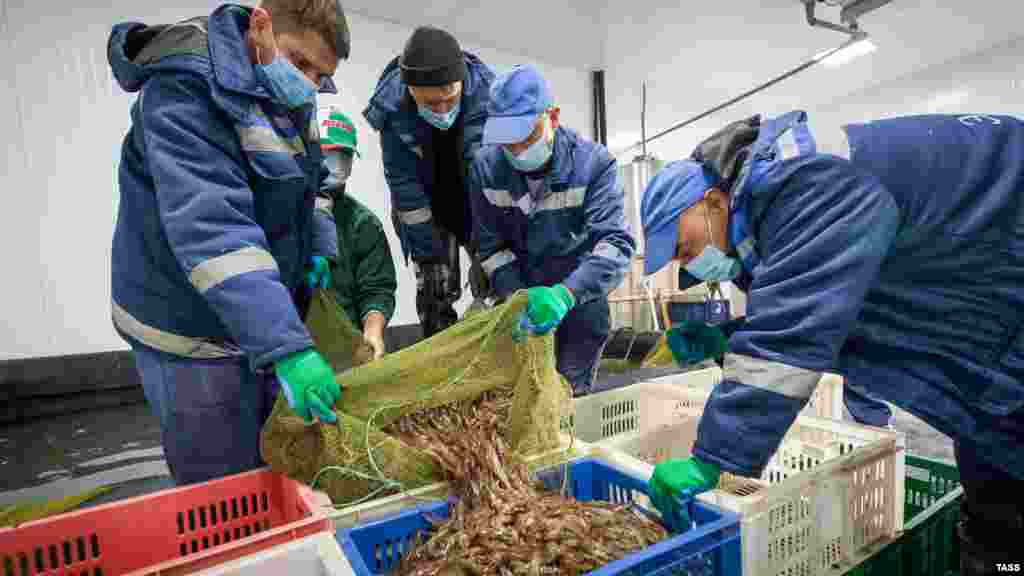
(502, 523)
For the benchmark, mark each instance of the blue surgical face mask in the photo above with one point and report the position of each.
(533, 157)
(713, 265)
(438, 120)
(286, 83)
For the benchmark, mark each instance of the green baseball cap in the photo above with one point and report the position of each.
(337, 131)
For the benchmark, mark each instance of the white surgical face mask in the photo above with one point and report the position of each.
(339, 164)
(713, 265)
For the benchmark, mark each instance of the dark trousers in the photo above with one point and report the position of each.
(579, 341)
(991, 527)
(211, 413)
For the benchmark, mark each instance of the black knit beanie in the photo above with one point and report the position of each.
(432, 57)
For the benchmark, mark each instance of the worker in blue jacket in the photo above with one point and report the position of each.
(900, 267)
(550, 219)
(429, 109)
(214, 236)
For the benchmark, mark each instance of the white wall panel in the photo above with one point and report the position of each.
(64, 119)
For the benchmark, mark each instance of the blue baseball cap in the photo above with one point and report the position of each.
(518, 98)
(677, 187)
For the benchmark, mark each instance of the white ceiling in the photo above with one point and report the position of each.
(562, 32)
(729, 44)
(696, 55)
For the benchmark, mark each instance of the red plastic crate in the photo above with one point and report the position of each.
(176, 531)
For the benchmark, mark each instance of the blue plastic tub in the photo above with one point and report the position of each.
(711, 548)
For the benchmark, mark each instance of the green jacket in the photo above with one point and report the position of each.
(364, 276)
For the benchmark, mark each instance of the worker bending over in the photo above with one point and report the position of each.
(550, 218)
(901, 268)
(429, 108)
(218, 177)
(362, 270)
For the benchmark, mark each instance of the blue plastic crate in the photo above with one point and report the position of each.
(711, 548)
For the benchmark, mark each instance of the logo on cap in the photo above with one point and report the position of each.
(328, 123)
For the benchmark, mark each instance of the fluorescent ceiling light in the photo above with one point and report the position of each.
(849, 53)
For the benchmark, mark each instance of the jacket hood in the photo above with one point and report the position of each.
(206, 45)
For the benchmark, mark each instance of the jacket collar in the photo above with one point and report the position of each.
(562, 166)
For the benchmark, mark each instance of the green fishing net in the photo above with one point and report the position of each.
(356, 459)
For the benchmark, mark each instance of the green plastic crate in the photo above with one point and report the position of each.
(928, 545)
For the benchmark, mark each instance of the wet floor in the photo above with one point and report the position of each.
(58, 457)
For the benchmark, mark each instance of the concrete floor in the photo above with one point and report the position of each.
(57, 457)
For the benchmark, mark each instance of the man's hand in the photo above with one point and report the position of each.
(675, 478)
(546, 307)
(318, 275)
(373, 332)
(693, 342)
(307, 382)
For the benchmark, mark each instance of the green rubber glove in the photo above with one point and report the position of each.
(675, 478)
(319, 273)
(693, 342)
(308, 384)
(546, 307)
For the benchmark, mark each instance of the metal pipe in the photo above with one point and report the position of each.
(604, 113)
(789, 74)
(600, 131)
(643, 118)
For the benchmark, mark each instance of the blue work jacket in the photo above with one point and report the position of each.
(218, 184)
(901, 268)
(406, 146)
(570, 229)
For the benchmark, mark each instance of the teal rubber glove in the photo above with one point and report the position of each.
(308, 384)
(319, 273)
(693, 342)
(546, 307)
(676, 478)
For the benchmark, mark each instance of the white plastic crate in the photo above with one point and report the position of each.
(825, 402)
(317, 555)
(829, 497)
(606, 414)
